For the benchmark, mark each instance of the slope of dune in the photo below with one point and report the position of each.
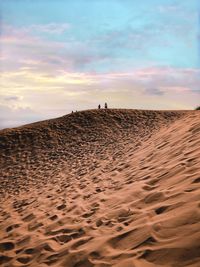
(102, 188)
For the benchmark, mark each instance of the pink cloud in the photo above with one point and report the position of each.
(54, 28)
(51, 28)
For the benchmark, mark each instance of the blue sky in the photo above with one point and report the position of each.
(62, 55)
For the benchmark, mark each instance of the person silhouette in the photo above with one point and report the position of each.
(106, 106)
(99, 106)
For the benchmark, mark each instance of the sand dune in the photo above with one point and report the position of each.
(102, 188)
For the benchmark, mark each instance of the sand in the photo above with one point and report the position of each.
(102, 188)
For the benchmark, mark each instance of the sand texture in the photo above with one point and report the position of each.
(102, 188)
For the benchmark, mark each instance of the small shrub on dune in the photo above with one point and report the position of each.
(197, 108)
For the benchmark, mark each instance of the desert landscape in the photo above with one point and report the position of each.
(102, 188)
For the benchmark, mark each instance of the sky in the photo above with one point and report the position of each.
(64, 55)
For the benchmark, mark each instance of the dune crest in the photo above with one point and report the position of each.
(102, 188)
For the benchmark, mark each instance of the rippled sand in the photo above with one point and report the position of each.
(102, 188)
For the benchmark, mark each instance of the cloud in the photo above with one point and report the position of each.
(29, 96)
(12, 98)
(154, 91)
(155, 80)
(51, 28)
(34, 29)
(169, 8)
(157, 77)
(121, 49)
(12, 117)
(43, 78)
(22, 49)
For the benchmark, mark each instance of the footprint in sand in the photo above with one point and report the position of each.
(12, 227)
(61, 207)
(5, 246)
(161, 209)
(28, 217)
(5, 259)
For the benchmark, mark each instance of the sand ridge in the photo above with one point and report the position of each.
(122, 191)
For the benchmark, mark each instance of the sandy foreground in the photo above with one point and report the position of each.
(102, 188)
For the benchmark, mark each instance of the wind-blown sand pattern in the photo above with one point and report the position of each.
(102, 188)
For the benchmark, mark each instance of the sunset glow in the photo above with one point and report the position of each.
(59, 56)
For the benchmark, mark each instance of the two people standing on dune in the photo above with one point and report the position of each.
(105, 106)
